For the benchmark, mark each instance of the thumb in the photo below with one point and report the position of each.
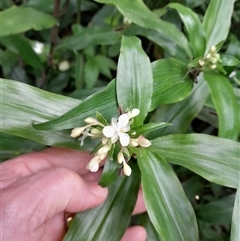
(53, 191)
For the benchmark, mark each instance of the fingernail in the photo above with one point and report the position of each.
(98, 190)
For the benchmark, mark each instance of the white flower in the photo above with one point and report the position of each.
(117, 130)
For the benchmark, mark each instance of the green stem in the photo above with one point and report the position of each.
(79, 3)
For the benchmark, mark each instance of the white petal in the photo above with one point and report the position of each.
(114, 138)
(125, 128)
(123, 120)
(134, 112)
(124, 139)
(114, 123)
(108, 131)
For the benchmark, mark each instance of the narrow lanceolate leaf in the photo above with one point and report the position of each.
(150, 127)
(217, 21)
(17, 20)
(88, 37)
(110, 171)
(138, 13)
(134, 78)
(167, 205)
(21, 46)
(143, 220)
(194, 28)
(218, 211)
(235, 230)
(110, 220)
(171, 82)
(215, 159)
(12, 146)
(226, 105)
(23, 104)
(181, 113)
(103, 102)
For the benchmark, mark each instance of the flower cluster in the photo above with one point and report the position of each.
(211, 60)
(117, 132)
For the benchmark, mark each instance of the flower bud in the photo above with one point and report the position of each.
(64, 65)
(120, 157)
(213, 66)
(103, 150)
(104, 140)
(127, 169)
(77, 131)
(133, 142)
(201, 62)
(93, 165)
(134, 112)
(142, 141)
(91, 121)
(213, 49)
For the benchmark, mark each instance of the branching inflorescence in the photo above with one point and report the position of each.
(117, 135)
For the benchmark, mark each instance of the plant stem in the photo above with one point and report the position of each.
(79, 3)
(54, 32)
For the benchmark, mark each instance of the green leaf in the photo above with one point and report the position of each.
(235, 231)
(23, 19)
(22, 104)
(21, 45)
(88, 37)
(215, 159)
(228, 60)
(171, 82)
(110, 220)
(226, 105)
(217, 21)
(218, 211)
(110, 173)
(103, 101)
(194, 28)
(167, 205)
(138, 13)
(12, 146)
(150, 127)
(105, 64)
(169, 46)
(91, 72)
(134, 78)
(181, 114)
(143, 220)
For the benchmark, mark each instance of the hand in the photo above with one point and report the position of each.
(38, 189)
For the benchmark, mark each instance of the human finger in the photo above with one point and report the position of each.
(32, 163)
(50, 192)
(135, 233)
(140, 206)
